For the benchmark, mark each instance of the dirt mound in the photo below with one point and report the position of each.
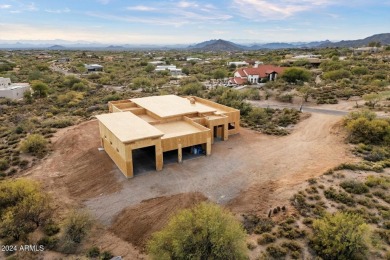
(77, 163)
(136, 224)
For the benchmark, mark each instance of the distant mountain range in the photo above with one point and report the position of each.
(211, 45)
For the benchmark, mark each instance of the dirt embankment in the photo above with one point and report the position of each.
(136, 224)
(76, 167)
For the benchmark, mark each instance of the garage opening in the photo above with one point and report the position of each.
(188, 153)
(144, 160)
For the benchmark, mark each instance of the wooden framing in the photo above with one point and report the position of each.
(165, 122)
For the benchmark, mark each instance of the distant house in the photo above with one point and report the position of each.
(63, 60)
(257, 74)
(93, 67)
(158, 62)
(237, 63)
(171, 68)
(193, 58)
(244, 63)
(367, 50)
(43, 56)
(12, 90)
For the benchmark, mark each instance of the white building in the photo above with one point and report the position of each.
(12, 90)
(171, 68)
(93, 67)
(238, 63)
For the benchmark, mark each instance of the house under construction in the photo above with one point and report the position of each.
(165, 123)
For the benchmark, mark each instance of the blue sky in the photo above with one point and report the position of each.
(171, 22)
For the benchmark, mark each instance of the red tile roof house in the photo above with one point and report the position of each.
(256, 75)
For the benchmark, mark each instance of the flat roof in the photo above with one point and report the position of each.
(171, 105)
(128, 127)
(176, 128)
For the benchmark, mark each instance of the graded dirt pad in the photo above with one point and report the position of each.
(135, 224)
(251, 172)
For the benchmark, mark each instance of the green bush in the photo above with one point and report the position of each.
(51, 229)
(34, 144)
(203, 232)
(23, 208)
(4, 165)
(296, 75)
(354, 187)
(340, 236)
(93, 252)
(337, 74)
(378, 181)
(76, 226)
(341, 197)
(49, 243)
(106, 255)
(192, 89)
(364, 128)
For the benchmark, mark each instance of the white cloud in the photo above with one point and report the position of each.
(58, 11)
(186, 4)
(277, 9)
(140, 8)
(5, 6)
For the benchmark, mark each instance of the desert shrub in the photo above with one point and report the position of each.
(266, 238)
(49, 243)
(39, 88)
(4, 165)
(258, 225)
(141, 83)
(336, 74)
(290, 231)
(292, 245)
(276, 251)
(360, 71)
(51, 229)
(93, 252)
(58, 123)
(193, 89)
(340, 236)
(296, 75)
(34, 144)
(106, 255)
(341, 197)
(365, 128)
(377, 181)
(76, 226)
(259, 116)
(203, 232)
(71, 98)
(354, 187)
(23, 208)
(234, 98)
(285, 98)
(377, 153)
(250, 246)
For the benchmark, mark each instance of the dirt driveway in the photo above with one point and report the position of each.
(240, 171)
